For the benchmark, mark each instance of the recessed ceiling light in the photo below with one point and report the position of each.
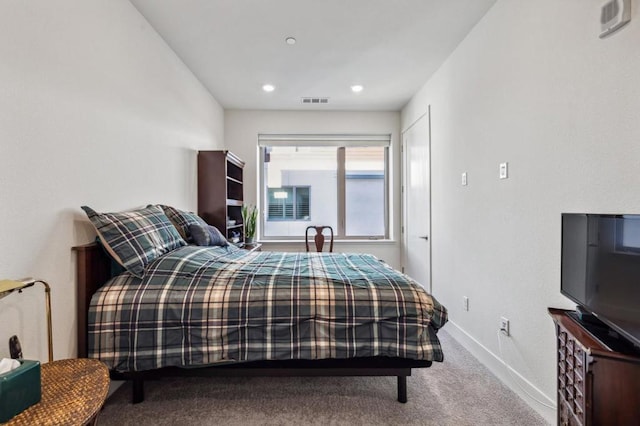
(268, 88)
(357, 88)
(290, 40)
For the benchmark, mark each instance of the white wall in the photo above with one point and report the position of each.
(94, 109)
(534, 86)
(241, 137)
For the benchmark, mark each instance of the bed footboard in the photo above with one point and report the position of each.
(137, 391)
(372, 366)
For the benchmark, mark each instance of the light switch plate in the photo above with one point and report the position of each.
(504, 170)
(464, 179)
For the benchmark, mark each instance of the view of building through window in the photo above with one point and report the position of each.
(342, 187)
(288, 203)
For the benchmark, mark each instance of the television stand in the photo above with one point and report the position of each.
(605, 334)
(596, 383)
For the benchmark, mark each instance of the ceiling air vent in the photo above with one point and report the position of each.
(615, 14)
(315, 101)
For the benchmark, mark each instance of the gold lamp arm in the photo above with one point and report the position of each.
(9, 286)
(47, 291)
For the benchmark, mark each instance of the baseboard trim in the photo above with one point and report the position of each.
(501, 370)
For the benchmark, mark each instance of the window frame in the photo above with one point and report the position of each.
(341, 142)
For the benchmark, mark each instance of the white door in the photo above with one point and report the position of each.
(417, 198)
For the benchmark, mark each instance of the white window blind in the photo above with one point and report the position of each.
(383, 140)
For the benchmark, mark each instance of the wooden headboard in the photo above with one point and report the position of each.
(93, 269)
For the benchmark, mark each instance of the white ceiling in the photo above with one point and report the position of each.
(391, 47)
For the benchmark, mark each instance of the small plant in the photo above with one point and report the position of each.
(250, 219)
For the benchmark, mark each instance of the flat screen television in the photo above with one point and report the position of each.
(601, 268)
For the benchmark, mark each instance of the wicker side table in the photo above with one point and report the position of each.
(73, 391)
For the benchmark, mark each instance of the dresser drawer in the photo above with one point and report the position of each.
(571, 379)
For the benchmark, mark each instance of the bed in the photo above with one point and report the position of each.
(220, 310)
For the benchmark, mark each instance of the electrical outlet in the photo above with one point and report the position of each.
(465, 301)
(504, 170)
(504, 326)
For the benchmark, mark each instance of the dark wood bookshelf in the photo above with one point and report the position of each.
(220, 191)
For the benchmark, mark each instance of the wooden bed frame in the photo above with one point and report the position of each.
(93, 270)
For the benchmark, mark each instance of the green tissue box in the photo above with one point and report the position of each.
(19, 389)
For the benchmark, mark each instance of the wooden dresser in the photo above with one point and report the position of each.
(596, 385)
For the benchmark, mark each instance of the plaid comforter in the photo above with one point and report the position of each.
(202, 305)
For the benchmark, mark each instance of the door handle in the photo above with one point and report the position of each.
(426, 237)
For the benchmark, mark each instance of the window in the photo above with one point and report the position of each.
(288, 203)
(365, 191)
(324, 180)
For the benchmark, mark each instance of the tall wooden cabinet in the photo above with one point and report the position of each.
(220, 191)
(596, 385)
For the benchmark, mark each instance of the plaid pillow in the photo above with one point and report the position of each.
(136, 237)
(181, 220)
(207, 235)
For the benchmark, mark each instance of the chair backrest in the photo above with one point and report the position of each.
(319, 238)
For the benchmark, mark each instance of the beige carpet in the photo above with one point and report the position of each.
(459, 391)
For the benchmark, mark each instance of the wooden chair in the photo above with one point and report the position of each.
(319, 237)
